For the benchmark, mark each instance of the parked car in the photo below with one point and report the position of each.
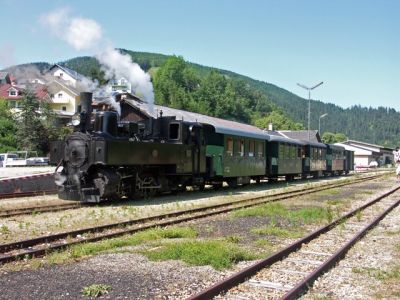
(22, 159)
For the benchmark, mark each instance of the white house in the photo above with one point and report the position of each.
(70, 77)
(121, 85)
(64, 99)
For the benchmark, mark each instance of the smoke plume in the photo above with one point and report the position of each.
(116, 64)
(84, 34)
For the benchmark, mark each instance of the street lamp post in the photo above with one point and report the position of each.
(319, 122)
(309, 101)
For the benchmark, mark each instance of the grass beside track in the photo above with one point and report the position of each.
(276, 221)
(88, 249)
(219, 254)
(277, 211)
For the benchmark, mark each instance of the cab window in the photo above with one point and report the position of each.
(174, 131)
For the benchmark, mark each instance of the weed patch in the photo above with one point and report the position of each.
(306, 215)
(218, 254)
(334, 202)
(393, 274)
(329, 192)
(96, 290)
(82, 250)
(263, 243)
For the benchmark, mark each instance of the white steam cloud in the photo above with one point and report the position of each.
(115, 64)
(83, 34)
(80, 33)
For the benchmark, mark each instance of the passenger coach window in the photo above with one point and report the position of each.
(174, 131)
(293, 151)
(241, 153)
(260, 149)
(251, 148)
(281, 151)
(229, 146)
(236, 147)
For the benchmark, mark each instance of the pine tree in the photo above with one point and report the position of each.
(30, 131)
(8, 141)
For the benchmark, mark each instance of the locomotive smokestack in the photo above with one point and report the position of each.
(86, 110)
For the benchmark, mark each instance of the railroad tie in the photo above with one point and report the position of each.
(270, 285)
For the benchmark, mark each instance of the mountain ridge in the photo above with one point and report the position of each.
(375, 125)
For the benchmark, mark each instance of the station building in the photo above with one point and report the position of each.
(366, 154)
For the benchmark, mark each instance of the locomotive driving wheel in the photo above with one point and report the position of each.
(146, 186)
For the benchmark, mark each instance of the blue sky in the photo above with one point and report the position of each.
(351, 45)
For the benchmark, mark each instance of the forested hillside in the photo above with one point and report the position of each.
(259, 100)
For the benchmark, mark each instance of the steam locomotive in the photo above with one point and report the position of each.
(106, 159)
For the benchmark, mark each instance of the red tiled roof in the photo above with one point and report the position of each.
(4, 92)
(40, 92)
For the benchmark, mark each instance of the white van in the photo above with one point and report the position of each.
(5, 158)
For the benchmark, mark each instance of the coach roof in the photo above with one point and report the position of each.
(220, 125)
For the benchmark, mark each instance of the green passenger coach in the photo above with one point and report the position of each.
(284, 157)
(244, 159)
(314, 161)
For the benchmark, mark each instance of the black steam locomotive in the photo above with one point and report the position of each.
(106, 159)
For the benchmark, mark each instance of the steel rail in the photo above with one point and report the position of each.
(263, 198)
(307, 282)
(47, 192)
(27, 194)
(242, 275)
(38, 209)
(51, 208)
(208, 211)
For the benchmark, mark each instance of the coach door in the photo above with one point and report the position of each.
(195, 141)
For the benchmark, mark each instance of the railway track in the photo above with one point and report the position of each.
(41, 245)
(27, 194)
(6, 213)
(12, 212)
(289, 273)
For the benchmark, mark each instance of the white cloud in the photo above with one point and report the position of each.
(83, 33)
(80, 33)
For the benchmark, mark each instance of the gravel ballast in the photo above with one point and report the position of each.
(132, 276)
